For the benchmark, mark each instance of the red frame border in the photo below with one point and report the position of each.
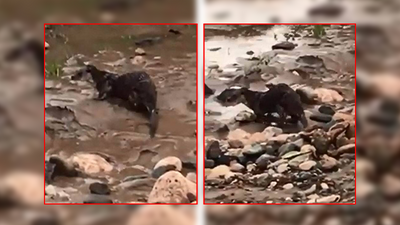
(355, 108)
(197, 114)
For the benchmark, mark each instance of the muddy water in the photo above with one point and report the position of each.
(233, 52)
(109, 128)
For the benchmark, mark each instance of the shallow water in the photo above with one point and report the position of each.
(111, 129)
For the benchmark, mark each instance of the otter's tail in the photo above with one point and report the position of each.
(153, 122)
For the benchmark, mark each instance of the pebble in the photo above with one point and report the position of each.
(282, 168)
(307, 165)
(97, 199)
(328, 163)
(99, 188)
(288, 186)
(237, 167)
(286, 45)
(140, 51)
(326, 109)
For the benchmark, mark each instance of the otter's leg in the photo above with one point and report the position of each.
(104, 89)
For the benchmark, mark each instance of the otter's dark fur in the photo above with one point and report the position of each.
(280, 98)
(137, 88)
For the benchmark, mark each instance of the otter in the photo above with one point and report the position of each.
(137, 88)
(280, 99)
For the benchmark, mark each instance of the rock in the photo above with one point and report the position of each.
(22, 188)
(172, 187)
(326, 109)
(137, 183)
(321, 141)
(160, 215)
(322, 118)
(99, 189)
(307, 165)
(220, 172)
(192, 177)
(97, 199)
(214, 150)
(295, 162)
(209, 163)
(264, 160)
(307, 95)
(286, 45)
(324, 186)
(287, 186)
(289, 147)
(138, 60)
(345, 117)
(328, 199)
(263, 179)
(328, 163)
(291, 155)
(90, 163)
(270, 132)
(282, 168)
(240, 135)
(350, 148)
(213, 66)
(308, 149)
(237, 168)
(140, 51)
(165, 165)
(245, 116)
(328, 96)
(46, 45)
(250, 53)
(254, 150)
(235, 144)
(257, 138)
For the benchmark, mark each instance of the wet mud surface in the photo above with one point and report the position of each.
(252, 162)
(78, 123)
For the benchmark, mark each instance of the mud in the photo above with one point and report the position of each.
(89, 125)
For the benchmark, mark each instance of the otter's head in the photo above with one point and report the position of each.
(231, 96)
(88, 72)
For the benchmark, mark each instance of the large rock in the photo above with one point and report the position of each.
(328, 96)
(173, 187)
(220, 172)
(165, 165)
(90, 163)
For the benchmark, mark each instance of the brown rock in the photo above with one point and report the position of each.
(173, 187)
(90, 163)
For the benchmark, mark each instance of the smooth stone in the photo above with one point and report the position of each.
(99, 189)
(282, 168)
(209, 163)
(295, 162)
(213, 150)
(328, 163)
(263, 161)
(286, 148)
(165, 165)
(286, 45)
(322, 118)
(288, 186)
(307, 165)
(326, 109)
(237, 167)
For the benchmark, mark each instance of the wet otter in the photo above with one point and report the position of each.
(137, 88)
(280, 99)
